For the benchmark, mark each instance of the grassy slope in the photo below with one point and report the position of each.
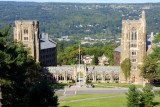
(106, 102)
(112, 85)
(84, 96)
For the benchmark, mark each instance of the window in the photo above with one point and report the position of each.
(133, 45)
(26, 45)
(134, 60)
(133, 67)
(134, 53)
(25, 31)
(26, 38)
(133, 34)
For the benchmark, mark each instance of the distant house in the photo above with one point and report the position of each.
(117, 56)
(103, 60)
(87, 59)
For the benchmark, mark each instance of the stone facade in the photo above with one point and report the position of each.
(27, 31)
(133, 46)
(65, 74)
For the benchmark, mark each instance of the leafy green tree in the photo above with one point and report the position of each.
(19, 73)
(133, 97)
(148, 69)
(157, 92)
(126, 68)
(147, 96)
(93, 61)
(156, 53)
(156, 38)
(41, 95)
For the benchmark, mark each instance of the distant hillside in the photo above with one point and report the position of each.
(79, 20)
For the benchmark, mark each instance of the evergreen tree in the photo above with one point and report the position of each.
(147, 96)
(20, 74)
(133, 97)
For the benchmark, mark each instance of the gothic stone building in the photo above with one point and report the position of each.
(28, 32)
(133, 46)
(65, 74)
(43, 50)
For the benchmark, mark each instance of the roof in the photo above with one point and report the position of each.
(89, 69)
(118, 49)
(149, 41)
(45, 44)
(88, 56)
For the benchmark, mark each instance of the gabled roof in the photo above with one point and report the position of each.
(45, 44)
(118, 49)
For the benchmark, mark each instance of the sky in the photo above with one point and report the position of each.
(91, 1)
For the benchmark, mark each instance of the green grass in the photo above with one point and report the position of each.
(113, 85)
(84, 96)
(60, 85)
(105, 102)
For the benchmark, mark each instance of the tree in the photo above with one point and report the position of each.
(156, 53)
(133, 97)
(126, 68)
(20, 74)
(148, 69)
(147, 96)
(156, 38)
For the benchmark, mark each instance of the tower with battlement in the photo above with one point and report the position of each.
(27, 31)
(133, 46)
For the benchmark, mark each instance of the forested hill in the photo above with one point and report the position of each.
(79, 20)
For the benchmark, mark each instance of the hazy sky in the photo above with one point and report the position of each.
(92, 1)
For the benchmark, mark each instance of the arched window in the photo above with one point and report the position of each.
(133, 34)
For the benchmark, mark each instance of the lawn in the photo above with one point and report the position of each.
(113, 85)
(58, 95)
(60, 85)
(105, 102)
(84, 96)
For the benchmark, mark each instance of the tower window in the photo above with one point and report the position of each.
(133, 67)
(133, 34)
(133, 45)
(134, 53)
(26, 45)
(134, 60)
(26, 38)
(25, 31)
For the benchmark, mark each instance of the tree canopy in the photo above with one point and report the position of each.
(21, 76)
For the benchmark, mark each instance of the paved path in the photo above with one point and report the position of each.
(90, 99)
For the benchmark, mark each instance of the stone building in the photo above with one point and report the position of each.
(87, 59)
(103, 60)
(48, 51)
(133, 46)
(65, 74)
(43, 50)
(117, 56)
(27, 31)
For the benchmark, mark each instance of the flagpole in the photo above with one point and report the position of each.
(79, 63)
